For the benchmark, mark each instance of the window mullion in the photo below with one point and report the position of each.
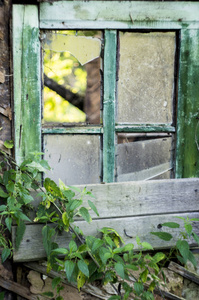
(109, 105)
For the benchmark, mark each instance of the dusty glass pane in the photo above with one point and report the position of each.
(72, 76)
(144, 157)
(146, 77)
(75, 159)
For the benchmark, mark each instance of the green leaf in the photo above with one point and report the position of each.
(93, 207)
(119, 269)
(147, 246)
(55, 282)
(81, 279)
(74, 188)
(139, 288)
(45, 164)
(158, 257)
(48, 294)
(143, 275)
(195, 219)
(171, 224)
(23, 217)
(83, 267)
(163, 235)
(128, 247)
(20, 233)
(104, 254)
(192, 259)
(65, 219)
(3, 194)
(8, 222)
(63, 251)
(47, 234)
(5, 254)
(115, 297)
(2, 294)
(8, 144)
(69, 268)
(188, 228)
(183, 248)
(196, 237)
(75, 204)
(97, 244)
(3, 207)
(10, 187)
(131, 267)
(85, 214)
(72, 246)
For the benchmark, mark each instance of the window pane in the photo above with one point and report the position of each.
(144, 157)
(75, 159)
(146, 77)
(72, 76)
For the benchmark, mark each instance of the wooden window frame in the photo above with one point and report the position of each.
(109, 16)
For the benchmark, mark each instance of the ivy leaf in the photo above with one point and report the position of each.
(83, 267)
(171, 224)
(5, 254)
(119, 269)
(85, 214)
(93, 207)
(163, 235)
(69, 268)
(8, 144)
(20, 233)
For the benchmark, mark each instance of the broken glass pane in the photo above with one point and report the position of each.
(72, 76)
(75, 159)
(144, 156)
(146, 77)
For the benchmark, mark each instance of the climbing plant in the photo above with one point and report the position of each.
(87, 258)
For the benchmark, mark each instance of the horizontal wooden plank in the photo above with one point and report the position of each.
(140, 198)
(124, 14)
(31, 247)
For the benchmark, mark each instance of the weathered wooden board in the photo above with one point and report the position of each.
(124, 14)
(31, 247)
(187, 133)
(133, 208)
(27, 81)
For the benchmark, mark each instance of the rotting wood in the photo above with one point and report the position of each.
(2, 77)
(17, 289)
(91, 289)
(183, 272)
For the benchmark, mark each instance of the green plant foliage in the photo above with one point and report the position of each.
(86, 258)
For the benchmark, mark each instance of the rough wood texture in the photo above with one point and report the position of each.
(135, 208)
(126, 14)
(17, 289)
(184, 272)
(27, 81)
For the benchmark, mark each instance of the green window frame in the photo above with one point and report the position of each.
(109, 16)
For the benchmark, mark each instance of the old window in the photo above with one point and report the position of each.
(147, 91)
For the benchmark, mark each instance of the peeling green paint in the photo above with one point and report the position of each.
(187, 152)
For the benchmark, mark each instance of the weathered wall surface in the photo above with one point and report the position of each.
(5, 76)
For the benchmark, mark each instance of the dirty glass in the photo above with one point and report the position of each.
(144, 156)
(75, 159)
(146, 77)
(71, 76)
